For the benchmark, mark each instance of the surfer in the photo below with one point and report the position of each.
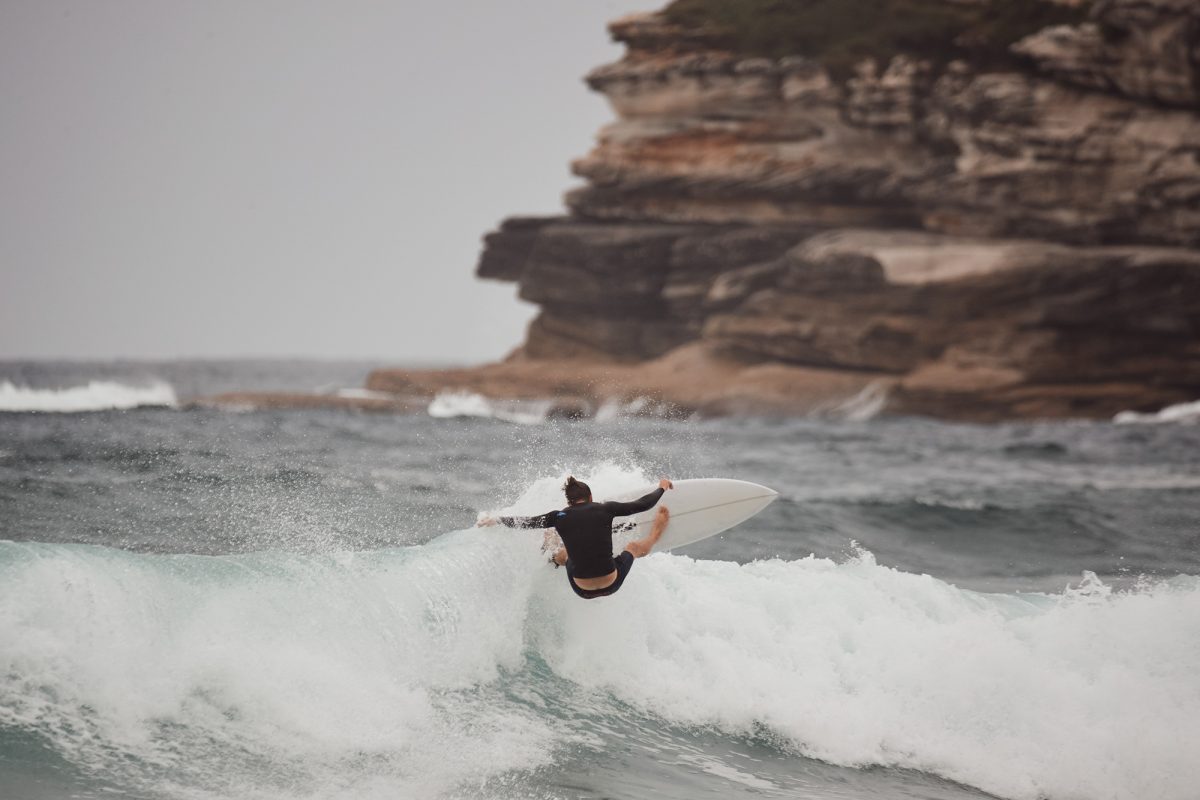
(585, 528)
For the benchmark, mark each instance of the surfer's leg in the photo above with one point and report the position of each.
(641, 547)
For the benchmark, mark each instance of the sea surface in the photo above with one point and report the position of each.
(295, 604)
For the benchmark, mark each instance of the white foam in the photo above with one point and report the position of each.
(352, 676)
(1180, 412)
(1083, 695)
(447, 405)
(93, 396)
(865, 405)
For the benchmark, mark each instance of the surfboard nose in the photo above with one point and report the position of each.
(764, 491)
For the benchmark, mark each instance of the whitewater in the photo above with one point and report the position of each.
(92, 396)
(195, 604)
(462, 661)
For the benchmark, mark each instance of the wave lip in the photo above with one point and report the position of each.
(93, 396)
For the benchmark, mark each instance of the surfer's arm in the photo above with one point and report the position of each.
(635, 506)
(541, 521)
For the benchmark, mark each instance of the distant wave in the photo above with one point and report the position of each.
(94, 396)
(864, 406)
(530, 412)
(1180, 412)
(448, 405)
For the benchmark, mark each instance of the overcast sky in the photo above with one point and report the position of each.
(281, 178)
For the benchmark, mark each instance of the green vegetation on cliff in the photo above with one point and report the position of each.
(841, 33)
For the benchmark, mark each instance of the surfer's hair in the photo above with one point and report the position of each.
(576, 491)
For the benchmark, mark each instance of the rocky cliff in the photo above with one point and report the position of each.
(977, 240)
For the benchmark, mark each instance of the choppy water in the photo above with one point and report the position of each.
(292, 604)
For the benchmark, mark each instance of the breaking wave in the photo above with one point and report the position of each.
(93, 396)
(448, 405)
(1180, 412)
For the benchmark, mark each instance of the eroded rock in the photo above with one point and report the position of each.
(977, 245)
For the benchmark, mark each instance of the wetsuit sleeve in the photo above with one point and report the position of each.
(634, 506)
(541, 521)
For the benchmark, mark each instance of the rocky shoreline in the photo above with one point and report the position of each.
(759, 235)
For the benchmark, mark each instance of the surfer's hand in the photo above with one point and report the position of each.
(665, 483)
(485, 522)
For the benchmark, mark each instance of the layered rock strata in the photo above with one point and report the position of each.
(712, 138)
(981, 329)
(982, 244)
(1146, 49)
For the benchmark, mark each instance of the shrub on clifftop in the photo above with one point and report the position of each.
(841, 33)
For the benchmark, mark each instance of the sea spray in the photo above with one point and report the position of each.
(608, 480)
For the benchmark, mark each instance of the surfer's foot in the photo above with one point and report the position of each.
(642, 547)
(660, 524)
(660, 520)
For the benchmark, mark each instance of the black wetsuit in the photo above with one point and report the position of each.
(586, 532)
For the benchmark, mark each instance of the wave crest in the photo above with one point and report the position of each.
(93, 396)
(448, 405)
(1180, 412)
(1090, 693)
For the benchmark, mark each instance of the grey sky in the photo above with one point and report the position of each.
(278, 178)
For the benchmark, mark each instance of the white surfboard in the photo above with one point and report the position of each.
(700, 508)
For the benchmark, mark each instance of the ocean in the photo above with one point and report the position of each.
(198, 603)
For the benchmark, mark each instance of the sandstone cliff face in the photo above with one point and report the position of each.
(1144, 49)
(985, 244)
(708, 137)
(983, 329)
